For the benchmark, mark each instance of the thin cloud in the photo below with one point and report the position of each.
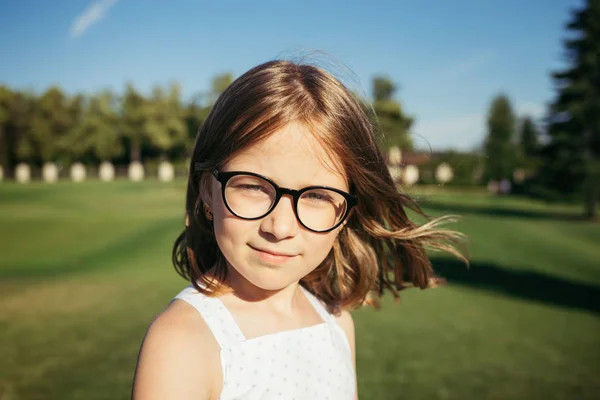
(467, 66)
(92, 15)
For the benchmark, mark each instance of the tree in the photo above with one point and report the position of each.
(197, 110)
(6, 103)
(17, 110)
(97, 132)
(49, 124)
(571, 157)
(132, 121)
(383, 88)
(529, 138)
(218, 85)
(194, 116)
(529, 147)
(464, 166)
(391, 120)
(157, 121)
(499, 146)
(164, 126)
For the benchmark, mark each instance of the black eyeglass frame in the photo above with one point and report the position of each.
(224, 177)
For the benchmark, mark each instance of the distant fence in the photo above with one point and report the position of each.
(52, 172)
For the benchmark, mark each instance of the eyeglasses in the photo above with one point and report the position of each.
(252, 196)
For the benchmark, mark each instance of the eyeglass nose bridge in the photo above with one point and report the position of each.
(280, 192)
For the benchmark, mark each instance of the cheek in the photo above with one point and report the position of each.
(317, 247)
(225, 225)
(230, 230)
(224, 221)
(232, 236)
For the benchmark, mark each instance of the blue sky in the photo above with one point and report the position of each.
(449, 57)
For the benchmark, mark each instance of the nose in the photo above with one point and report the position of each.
(281, 222)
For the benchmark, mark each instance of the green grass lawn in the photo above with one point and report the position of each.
(85, 267)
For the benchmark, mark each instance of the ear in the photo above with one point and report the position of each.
(205, 189)
(203, 197)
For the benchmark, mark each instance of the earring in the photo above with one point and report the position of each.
(207, 213)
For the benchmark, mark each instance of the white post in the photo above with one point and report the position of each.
(136, 171)
(78, 172)
(106, 172)
(22, 173)
(395, 155)
(444, 173)
(395, 172)
(49, 172)
(166, 172)
(411, 175)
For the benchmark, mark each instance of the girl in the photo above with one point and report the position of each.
(292, 219)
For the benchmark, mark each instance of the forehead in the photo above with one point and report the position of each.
(292, 157)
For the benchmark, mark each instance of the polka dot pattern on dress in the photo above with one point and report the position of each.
(304, 364)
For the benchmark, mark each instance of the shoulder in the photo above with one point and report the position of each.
(345, 321)
(179, 357)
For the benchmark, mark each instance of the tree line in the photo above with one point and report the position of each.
(563, 161)
(557, 157)
(56, 127)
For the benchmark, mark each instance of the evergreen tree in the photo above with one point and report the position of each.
(529, 138)
(392, 121)
(571, 158)
(528, 153)
(499, 146)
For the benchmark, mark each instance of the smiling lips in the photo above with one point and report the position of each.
(272, 256)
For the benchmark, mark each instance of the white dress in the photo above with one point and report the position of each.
(311, 363)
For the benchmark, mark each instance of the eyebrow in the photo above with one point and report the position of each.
(286, 186)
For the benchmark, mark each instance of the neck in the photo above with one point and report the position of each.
(282, 300)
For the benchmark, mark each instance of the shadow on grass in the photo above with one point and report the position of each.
(115, 254)
(501, 211)
(527, 285)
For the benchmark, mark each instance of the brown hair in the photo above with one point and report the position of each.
(379, 249)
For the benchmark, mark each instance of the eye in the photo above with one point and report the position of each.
(250, 188)
(318, 196)
(249, 185)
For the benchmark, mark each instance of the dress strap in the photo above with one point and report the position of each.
(216, 315)
(318, 305)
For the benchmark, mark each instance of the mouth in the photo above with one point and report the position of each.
(272, 256)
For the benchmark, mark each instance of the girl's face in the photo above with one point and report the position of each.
(276, 250)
